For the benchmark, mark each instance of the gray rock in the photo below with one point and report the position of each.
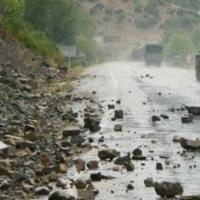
(137, 152)
(155, 118)
(167, 189)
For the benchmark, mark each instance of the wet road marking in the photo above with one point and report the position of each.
(114, 80)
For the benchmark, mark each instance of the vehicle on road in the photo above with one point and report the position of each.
(197, 66)
(153, 54)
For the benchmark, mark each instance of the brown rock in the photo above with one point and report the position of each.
(80, 164)
(80, 184)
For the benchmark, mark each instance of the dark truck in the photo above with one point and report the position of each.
(197, 66)
(153, 54)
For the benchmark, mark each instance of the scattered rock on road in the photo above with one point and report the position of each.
(118, 128)
(119, 114)
(123, 160)
(187, 119)
(155, 118)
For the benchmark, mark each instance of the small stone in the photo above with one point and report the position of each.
(155, 118)
(137, 152)
(187, 119)
(111, 106)
(118, 128)
(53, 177)
(159, 166)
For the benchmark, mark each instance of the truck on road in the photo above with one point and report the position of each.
(153, 54)
(197, 66)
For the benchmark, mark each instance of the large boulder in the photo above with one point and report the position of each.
(60, 195)
(167, 189)
(108, 154)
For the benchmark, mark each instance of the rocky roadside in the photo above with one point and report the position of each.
(40, 132)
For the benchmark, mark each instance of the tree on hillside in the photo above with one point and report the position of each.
(55, 18)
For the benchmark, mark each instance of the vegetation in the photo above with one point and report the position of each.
(41, 24)
(179, 47)
(181, 32)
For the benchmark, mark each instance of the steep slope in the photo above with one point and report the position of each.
(120, 23)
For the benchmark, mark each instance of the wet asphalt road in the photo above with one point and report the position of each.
(140, 100)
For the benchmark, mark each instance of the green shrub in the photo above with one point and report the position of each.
(152, 8)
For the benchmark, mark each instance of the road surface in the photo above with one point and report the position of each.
(144, 91)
